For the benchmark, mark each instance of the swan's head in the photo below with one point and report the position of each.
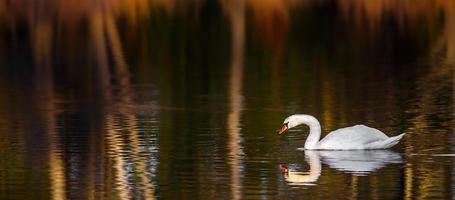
(295, 120)
(290, 122)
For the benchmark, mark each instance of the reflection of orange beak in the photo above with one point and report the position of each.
(283, 169)
(284, 128)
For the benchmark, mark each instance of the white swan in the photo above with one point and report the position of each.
(350, 138)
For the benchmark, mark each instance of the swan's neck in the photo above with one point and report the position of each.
(315, 164)
(315, 131)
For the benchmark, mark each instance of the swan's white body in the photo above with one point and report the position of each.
(350, 138)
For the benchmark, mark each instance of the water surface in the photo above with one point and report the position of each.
(170, 100)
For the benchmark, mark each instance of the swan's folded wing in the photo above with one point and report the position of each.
(354, 137)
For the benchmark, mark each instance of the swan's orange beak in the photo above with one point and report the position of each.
(284, 128)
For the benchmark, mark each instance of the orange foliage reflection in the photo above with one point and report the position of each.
(57, 23)
(105, 25)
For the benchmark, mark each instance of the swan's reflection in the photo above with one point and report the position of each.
(304, 178)
(359, 163)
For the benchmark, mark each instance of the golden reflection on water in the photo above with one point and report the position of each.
(56, 163)
(54, 29)
(123, 150)
(46, 98)
(117, 125)
(141, 169)
(57, 176)
(115, 146)
(236, 13)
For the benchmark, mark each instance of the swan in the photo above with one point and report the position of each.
(356, 137)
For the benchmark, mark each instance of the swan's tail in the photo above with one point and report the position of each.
(392, 141)
(384, 144)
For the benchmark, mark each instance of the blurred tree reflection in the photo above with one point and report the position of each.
(87, 58)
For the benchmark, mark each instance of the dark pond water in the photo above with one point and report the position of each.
(182, 100)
